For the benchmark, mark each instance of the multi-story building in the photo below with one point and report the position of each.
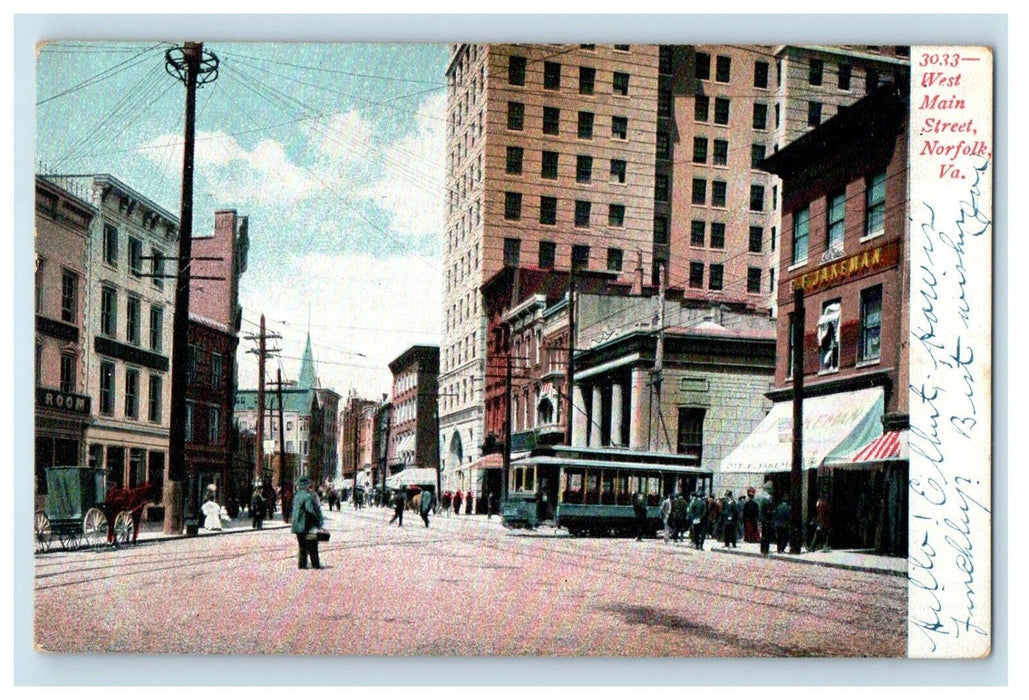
(414, 399)
(550, 162)
(355, 439)
(63, 405)
(214, 321)
(845, 213)
(128, 331)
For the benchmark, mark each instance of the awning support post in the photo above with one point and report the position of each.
(797, 465)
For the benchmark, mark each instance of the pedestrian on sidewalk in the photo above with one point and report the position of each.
(307, 519)
(697, 519)
(822, 524)
(257, 508)
(469, 504)
(766, 516)
(782, 525)
(490, 504)
(398, 501)
(639, 509)
(666, 514)
(445, 502)
(212, 513)
(750, 518)
(680, 517)
(458, 500)
(730, 514)
(425, 506)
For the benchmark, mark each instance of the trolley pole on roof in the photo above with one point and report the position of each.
(193, 67)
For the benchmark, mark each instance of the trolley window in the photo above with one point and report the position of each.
(607, 487)
(530, 479)
(623, 494)
(592, 487)
(571, 486)
(653, 489)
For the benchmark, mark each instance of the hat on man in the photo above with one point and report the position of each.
(303, 482)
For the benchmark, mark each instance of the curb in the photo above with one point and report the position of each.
(161, 537)
(795, 559)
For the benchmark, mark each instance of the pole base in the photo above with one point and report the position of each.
(173, 507)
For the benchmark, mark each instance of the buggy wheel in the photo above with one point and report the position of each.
(44, 534)
(123, 528)
(70, 539)
(94, 528)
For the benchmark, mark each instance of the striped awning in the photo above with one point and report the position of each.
(890, 446)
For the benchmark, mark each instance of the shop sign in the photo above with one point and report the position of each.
(62, 401)
(841, 270)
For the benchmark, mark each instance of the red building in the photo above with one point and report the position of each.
(844, 261)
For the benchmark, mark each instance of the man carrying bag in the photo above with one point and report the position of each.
(307, 522)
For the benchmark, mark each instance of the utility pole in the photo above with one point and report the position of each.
(569, 368)
(507, 416)
(797, 466)
(262, 352)
(193, 67)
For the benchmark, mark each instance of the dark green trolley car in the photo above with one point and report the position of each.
(74, 511)
(588, 491)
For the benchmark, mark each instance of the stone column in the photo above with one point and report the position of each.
(616, 414)
(578, 418)
(639, 409)
(596, 416)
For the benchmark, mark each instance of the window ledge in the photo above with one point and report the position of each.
(797, 265)
(824, 372)
(868, 363)
(871, 237)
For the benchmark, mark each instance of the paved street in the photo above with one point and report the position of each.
(464, 586)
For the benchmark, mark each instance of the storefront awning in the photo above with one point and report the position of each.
(405, 444)
(891, 446)
(417, 476)
(834, 425)
(491, 461)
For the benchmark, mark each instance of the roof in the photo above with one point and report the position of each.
(308, 378)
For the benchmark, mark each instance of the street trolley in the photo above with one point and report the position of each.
(588, 491)
(80, 510)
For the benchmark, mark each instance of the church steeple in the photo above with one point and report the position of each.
(308, 379)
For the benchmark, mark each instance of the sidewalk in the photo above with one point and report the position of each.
(852, 559)
(151, 532)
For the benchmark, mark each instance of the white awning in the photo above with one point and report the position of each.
(416, 476)
(835, 424)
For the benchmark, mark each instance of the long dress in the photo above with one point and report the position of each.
(212, 515)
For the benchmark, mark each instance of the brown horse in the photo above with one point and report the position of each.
(131, 500)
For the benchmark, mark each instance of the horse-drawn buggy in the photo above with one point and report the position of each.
(81, 510)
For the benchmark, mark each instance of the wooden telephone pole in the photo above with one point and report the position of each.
(262, 354)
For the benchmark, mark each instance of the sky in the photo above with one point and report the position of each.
(333, 151)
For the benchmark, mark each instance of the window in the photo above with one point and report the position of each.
(714, 277)
(618, 171)
(834, 221)
(757, 154)
(68, 367)
(156, 322)
(718, 235)
(800, 235)
(663, 145)
(871, 324)
(622, 47)
(585, 125)
(587, 79)
(690, 439)
(580, 256)
(760, 122)
(154, 399)
(132, 330)
(756, 239)
(700, 108)
(871, 80)
(699, 149)
(661, 188)
(777, 121)
(548, 251)
(108, 312)
(189, 421)
(588, 47)
(214, 425)
(512, 206)
(829, 337)
(548, 166)
(814, 113)
(516, 70)
(515, 116)
(512, 251)
(40, 284)
(814, 72)
(721, 110)
(699, 191)
(843, 76)
(875, 204)
(192, 362)
(135, 257)
(583, 169)
(514, 160)
(216, 370)
(616, 214)
(157, 267)
(697, 275)
(582, 214)
(703, 66)
(69, 296)
(107, 388)
(620, 128)
(131, 392)
(761, 74)
(551, 75)
(110, 245)
(551, 120)
(660, 230)
(548, 210)
(614, 259)
(718, 189)
(754, 280)
(721, 156)
(620, 83)
(722, 69)
(664, 103)
(697, 234)
(771, 280)
(757, 197)
(664, 60)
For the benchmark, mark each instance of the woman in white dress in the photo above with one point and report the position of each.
(212, 513)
